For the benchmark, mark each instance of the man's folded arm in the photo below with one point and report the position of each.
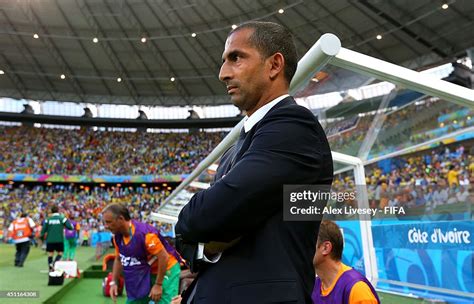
(237, 203)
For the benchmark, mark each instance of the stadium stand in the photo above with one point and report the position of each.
(83, 203)
(424, 183)
(417, 121)
(82, 152)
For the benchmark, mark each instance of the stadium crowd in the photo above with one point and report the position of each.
(418, 123)
(408, 126)
(430, 178)
(426, 179)
(350, 139)
(83, 205)
(84, 152)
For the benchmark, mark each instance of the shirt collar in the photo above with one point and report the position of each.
(260, 113)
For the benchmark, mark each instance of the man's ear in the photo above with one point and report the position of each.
(277, 64)
(327, 248)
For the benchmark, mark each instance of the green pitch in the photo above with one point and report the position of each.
(7, 253)
(88, 291)
(386, 298)
(33, 277)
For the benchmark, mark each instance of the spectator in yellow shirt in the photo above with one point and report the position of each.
(453, 176)
(471, 167)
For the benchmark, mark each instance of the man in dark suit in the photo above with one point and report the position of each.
(281, 143)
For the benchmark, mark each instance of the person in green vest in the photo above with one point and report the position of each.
(70, 241)
(85, 238)
(53, 233)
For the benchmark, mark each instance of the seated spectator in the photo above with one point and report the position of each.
(441, 196)
(463, 195)
(428, 196)
(464, 181)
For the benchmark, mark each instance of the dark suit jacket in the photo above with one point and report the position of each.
(272, 262)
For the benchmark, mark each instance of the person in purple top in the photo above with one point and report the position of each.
(149, 264)
(70, 241)
(337, 283)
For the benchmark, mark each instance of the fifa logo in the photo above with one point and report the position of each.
(128, 261)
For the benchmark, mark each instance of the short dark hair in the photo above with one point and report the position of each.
(54, 209)
(117, 210)
(330, 232)
(270, 38)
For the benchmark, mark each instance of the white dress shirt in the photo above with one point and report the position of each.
(252, 120)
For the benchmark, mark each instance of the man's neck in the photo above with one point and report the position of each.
(127, 229)
(273, 94)
(327, 272)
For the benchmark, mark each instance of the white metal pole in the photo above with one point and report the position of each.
(314, 60)
(209, 160)
(368, 250)
(370, 260)
(404, 77)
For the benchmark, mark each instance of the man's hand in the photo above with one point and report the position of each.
(213, 248)
(176, 300)
(114, 292)
(156, 292)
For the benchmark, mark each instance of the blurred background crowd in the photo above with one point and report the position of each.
(84, 152)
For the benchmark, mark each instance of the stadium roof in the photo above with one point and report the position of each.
(164, 52)
(347, 109)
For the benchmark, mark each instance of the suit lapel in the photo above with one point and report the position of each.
(234, 154)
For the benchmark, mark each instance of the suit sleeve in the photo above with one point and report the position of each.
(284, 150)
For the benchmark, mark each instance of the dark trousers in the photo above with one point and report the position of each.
(22, 250)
